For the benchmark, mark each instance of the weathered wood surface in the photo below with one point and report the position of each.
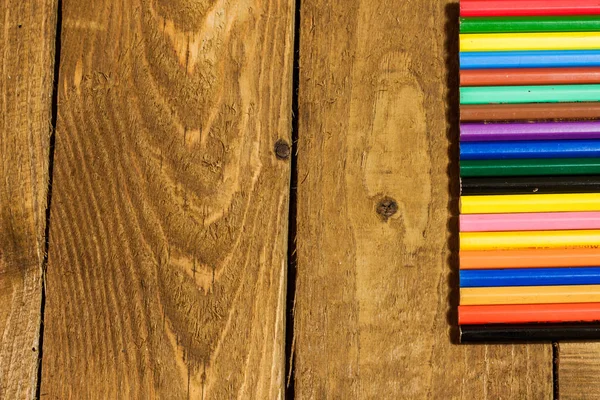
(167, 259)
(169, 221)
(376, 288)
(579, 371)
(27, 30)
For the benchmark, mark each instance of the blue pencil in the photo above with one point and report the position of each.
(529, 59)
(530, 149)
(530, 277)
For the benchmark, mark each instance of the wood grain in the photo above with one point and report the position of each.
(27, 30)
(167, 261)
(376, 258)
(578, 371)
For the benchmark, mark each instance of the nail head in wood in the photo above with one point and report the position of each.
(282, 149)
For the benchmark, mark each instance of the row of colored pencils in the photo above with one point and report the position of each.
(530, 170)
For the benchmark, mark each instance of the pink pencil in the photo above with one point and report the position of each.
(529, 221)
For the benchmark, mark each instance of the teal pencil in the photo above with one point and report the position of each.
(529, 94)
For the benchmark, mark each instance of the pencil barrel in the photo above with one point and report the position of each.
(529, 76)
(530, 277)
(507, 8)
(529, 240)
(530, 167)
(529, 258)
(529, 221)
(529, 224)
(530, 295)
(542, 333)
(528, 313)
(578, 23)
(519, 149)
(530, 41)
(530, 112)
(529, 94)
(529, 185)
(515, 131)
(529, 59)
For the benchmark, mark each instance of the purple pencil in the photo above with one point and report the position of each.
(475, 132)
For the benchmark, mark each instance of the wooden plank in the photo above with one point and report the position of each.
(377, 269)
(27, 58)
(578, 371)
(167, 261)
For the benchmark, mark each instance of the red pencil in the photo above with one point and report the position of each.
(528, 313)
(512, 8)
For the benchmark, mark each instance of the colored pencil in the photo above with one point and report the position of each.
(528, 313)
(530, 185)
(529, 59)
(529, 94)
(578, 23)
(529, 240)
(508, 8)
(529, 41)
(529, 76)
(529, 258)
(530, 295)
(543, 111)
(530, 149)
(480, 132)
(522, 203)
(529, 221)
(506, 333)
(530, 167)
(529, 277)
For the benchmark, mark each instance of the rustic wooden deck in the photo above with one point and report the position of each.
(240, 199)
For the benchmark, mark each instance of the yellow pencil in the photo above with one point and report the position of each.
(501, 204)
(529, 240)
(530, 295)
(530, 41)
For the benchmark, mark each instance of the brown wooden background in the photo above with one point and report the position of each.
(159, 239)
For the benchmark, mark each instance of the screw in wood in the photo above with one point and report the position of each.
(282, 149)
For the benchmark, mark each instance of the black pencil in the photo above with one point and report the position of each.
(530, 184)
(505, 333)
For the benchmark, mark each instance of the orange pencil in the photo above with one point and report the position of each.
(528, 313)
(530, 258)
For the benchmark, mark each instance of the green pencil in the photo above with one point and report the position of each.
(529, 94)
(579, 23)
(531, 167)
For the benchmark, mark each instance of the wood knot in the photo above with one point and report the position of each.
(282, 149)
(387, 207)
